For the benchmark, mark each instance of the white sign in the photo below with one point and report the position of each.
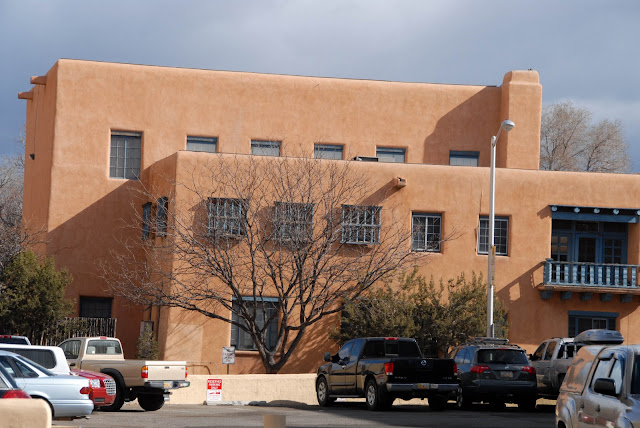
(228, 355)
(214, 389)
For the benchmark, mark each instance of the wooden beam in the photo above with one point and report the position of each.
(38, 80)
(25, 95)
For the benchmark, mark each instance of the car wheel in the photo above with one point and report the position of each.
(151, 402)
(462, 401)
(437, 403)
(322, 393)
(374, 400)
(118, 402)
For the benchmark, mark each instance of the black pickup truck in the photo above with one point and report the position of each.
(382, 369)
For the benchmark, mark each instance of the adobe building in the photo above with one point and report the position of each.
(567, 243)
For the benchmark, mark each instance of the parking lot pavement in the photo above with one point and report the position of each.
(341, 415)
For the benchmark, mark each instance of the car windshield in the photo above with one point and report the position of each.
(502, 356)
(35, 365)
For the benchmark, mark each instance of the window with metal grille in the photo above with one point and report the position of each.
(360, 224)
(95, 307)
(328, 151)
(202, 144)
(161, 216)
(146, 221)
(266, 311)
(426, 232)
(501, 236)
(293, 222)
(390, 154)
(227, 217)
(124, 161)
(459, 158)
(265, 148)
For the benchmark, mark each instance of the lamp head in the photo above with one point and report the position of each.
(507, 125)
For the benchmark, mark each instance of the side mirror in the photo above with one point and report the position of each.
(605, 387)
(327, 356)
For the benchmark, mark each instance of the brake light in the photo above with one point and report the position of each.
(85, 390)
(186, 371)
(388, 369)
(529, 369)
(103, 337)
(16, 393)
(455, 368)
(480, 369)
(390, 338)
(145, 372)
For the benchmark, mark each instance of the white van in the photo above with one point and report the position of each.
(50, 357)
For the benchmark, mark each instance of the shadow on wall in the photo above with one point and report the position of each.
(466, 127)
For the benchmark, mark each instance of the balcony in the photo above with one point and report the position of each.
(590, 278)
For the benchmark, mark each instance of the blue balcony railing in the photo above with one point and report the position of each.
(591, 274)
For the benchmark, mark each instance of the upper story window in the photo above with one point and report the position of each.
(426, 232)
(293, 222)
(328, 151)
(501, 236)
(459, 158)
(202, 144)
(161, 216)
(124, 161)
(146, 221)
(390, 154)
(227, 217)
(265, 148)
(360, 224)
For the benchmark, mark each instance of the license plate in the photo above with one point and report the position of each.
(423, 386)
(506, 375)
(168, 384)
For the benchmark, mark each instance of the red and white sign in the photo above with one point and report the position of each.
(214, 389)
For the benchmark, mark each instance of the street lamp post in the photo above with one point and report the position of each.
(507, 125)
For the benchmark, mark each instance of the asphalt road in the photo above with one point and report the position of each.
(340, 415)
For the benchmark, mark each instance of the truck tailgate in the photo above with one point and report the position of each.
(423, 370)
(166, 370)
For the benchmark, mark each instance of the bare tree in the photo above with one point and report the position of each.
(569, 141)
(269, 245)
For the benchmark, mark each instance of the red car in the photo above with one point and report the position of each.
(103, 387)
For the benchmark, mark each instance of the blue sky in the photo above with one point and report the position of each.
(585, 51)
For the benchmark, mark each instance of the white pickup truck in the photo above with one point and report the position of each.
(148, 381)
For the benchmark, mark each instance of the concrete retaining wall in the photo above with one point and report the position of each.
(274, 388)
(24, 412)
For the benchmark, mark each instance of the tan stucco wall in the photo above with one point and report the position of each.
(68, 191)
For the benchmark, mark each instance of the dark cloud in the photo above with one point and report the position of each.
(584, 50)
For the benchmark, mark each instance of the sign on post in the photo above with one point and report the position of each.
(214, 390)
(228, 355)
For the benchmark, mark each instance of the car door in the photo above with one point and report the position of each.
(71, 349)
(537, 359)
(351, 369)
(338, 373)
(546, 365)
(591, 405)
(607, 408)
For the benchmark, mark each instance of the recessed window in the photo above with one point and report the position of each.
(266, 311)
(458, 158)
(360, 224)
(227, 217)
(580, 321)
(146, 221)
(95, 307)
(124, 161)
(328, 151)
(161, 216)
(501, 236)
(293, 222)
(265, 148)
(390, 154)
(426, 232)
(202, 144)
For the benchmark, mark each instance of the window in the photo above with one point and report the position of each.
(266, 313)
(390, 154)
(95, 307)
(104, 347)
(146, 221)
(44, 357)
(293, 222)
(580, 321)
(71, 348)
(360, 224)
(265, 148)
(202, 144)
(161, 216)
(501, 238)
(425, 232)
(458, 158)
(125, 155)
(227, 217)
(548, 354)
(327, 151)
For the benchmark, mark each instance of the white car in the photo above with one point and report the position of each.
(67, 395)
